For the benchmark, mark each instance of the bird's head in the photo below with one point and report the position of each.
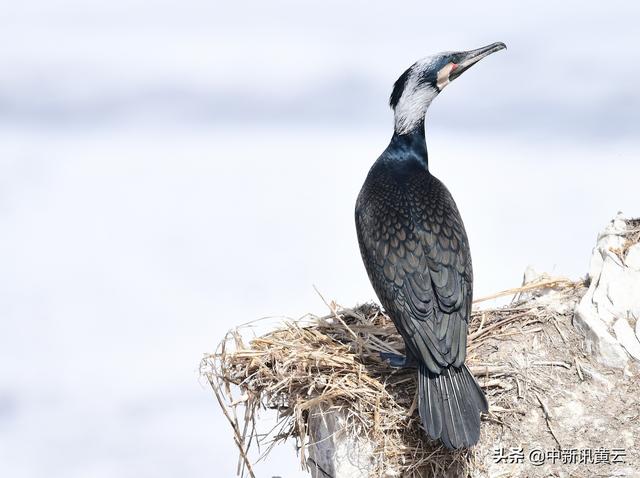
(421, 82)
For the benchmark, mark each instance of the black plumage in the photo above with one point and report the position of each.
(398, 88)
(415, 249)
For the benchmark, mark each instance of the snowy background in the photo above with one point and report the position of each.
(170, 169)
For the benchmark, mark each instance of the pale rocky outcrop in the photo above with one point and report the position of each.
(335, 452)
(610, 309)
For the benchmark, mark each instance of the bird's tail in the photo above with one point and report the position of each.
(450, 404)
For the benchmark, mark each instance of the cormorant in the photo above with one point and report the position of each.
(415, 249)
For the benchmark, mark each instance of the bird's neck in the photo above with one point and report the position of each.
(409, 112)
(411, 145)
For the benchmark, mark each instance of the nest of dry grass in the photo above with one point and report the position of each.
(319, 363)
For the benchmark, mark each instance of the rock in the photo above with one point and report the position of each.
(531, 275)
(627, 337)
(596, 377)
(633, 257)
(333, 451)
(547, 296)
(612, 297)
(598, 341)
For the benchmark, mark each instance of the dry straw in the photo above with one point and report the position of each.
(333, 361)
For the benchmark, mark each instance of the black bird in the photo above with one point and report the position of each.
(415, 249)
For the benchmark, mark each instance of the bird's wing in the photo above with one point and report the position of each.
(416, 252)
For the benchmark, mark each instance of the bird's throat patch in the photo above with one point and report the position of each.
(443, 75)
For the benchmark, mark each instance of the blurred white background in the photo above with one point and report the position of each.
(170, 169)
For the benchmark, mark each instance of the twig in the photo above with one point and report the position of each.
(553, 364)
(555, 324)
(236, 432)
(334, 311)
(579, 369)
(536, 285)
(519, 389)
(547, 417)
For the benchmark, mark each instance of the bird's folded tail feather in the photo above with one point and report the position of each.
(449, 404)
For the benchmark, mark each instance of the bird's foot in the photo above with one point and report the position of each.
(398, 361)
